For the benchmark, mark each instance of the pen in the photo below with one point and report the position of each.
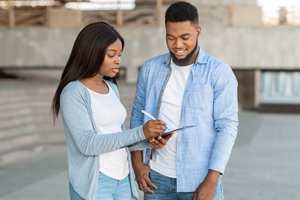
(147, 114)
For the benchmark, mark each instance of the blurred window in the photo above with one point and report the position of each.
(280, 87)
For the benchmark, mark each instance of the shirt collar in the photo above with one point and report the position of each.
(201, 58)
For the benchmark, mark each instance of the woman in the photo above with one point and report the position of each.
(93, 119)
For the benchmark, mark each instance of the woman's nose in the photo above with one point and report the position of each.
(118, 60)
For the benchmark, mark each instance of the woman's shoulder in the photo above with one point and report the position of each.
(74, 87)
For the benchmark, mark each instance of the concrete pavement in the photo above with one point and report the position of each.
(263, 166)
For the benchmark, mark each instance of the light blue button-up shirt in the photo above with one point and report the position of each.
(209, 101)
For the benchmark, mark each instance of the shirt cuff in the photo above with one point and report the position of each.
(217, 165)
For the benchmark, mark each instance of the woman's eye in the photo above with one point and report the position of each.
(111, 56)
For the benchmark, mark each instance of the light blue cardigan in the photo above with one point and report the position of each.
(84, 144)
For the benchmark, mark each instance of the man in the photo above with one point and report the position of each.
(186, 87)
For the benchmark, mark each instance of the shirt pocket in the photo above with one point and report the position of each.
(201, 97)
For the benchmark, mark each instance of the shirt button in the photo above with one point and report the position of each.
(148, 156)
(168, 74)
(157, 107)
(161, 90)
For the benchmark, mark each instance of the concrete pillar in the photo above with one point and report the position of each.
(48, 15)
(119, 17)
(158, 12)
(11, 15)
(79, 15)
(282, 16)
(230, 12)
(257, 86)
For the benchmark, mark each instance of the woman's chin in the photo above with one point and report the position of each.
(112, 75)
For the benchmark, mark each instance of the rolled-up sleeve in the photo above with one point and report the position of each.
(225, 116)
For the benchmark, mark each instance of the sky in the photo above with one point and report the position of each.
(278, 3)
(274, 5)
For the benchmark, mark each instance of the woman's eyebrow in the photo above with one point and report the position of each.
(111, 50)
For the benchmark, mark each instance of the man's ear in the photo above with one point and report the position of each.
(198, 30)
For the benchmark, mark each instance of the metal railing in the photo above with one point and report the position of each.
(27, 13)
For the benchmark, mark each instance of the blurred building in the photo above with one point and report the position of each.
(262, 50)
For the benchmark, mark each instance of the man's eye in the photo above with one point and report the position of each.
(185, 38)
(170, 38)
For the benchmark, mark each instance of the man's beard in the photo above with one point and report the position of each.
(184, 61)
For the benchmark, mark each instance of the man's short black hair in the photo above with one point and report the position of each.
(181, 12)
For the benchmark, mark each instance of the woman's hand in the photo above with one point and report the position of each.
(160, 141)
(153, 128)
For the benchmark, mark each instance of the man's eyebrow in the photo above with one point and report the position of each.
(185, 34)
(169, 35)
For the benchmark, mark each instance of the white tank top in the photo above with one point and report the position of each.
(109, 115)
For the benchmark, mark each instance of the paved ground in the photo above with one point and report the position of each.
(264, 164)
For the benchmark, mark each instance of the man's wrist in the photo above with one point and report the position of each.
(136, 157)
(212, 177)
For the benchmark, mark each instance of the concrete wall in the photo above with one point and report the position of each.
(250, 47)
(240, 47)
(36, 47)
(60, 17)
(246, 15)
(210, 15)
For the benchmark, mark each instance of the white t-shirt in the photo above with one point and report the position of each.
(109, 115)
(163, 160)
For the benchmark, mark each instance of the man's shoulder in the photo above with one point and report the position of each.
(215, 63)
(218, 68)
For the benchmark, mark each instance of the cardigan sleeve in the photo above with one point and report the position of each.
(78, 123)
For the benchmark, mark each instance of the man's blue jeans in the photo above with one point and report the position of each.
(166, 189)
(108, 189)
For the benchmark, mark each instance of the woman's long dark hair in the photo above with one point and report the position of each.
(86, 58)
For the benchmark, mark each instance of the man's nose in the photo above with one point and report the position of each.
(178, 44)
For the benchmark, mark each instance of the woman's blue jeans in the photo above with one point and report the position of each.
(108, 189)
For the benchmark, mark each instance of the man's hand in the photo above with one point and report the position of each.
(160, 142)
(206, 189)
(142, 176)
